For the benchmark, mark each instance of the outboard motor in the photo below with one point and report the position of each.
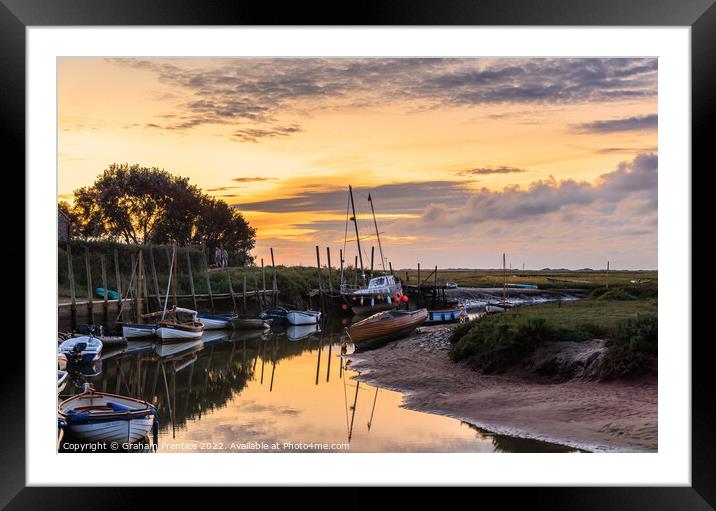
(75, 355)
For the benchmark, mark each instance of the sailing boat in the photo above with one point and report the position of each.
(381, 293)
(503, 305)
(138, 329)
(177, 324)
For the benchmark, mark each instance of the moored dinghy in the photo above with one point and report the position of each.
(277, 315)
(304, 317)
(137, 330)
(216, 321)
(250, 324)
(82, 350)
(99, 417)
(441, 316)
(384, 327)
(175, 328)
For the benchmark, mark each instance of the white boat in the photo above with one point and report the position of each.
(62, 377)
(174, 329)
(498, 307)
(299, 332)
(61, 361)
(99, 417)
(133, 331)
(216, 321)
(82, 350)
(451, 285)
(304, 317)
(382, 293)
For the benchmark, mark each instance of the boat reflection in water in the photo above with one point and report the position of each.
(239, 391)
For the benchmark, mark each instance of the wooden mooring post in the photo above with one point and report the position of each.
(208, 278)
(263, 282)
(274, 297)
(154, 278)
(191, 278)
(105, 305)
(330, 275)
(231, 290)
(318, 273)
(88, 268)
(73, 296)
(118, 277)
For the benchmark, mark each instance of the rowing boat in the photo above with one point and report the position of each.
(304, 317)
(384, 327)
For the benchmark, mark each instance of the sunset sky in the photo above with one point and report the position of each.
(553, 161)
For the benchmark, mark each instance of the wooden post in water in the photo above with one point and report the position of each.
(340, 254)
(208, 279)
(263, 282)
(154, 278)
(258, 295)
(318, 273)
(174, 275)
(73, 296)
(372, 257)
(330, 276)
(118, 278)
(419, 290)
(274, 297)
(145, 285)
(244, 295)
(105, 305)
(88, 267)
(191, 278)
(231, 290)
(138, 282)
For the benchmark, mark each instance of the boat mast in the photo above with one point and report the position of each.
(504, 279)
(355, 224)
(377, 234)
(174, 275)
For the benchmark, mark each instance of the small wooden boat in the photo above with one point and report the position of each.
(175, 328)
(277, 315)
(384, 327)
(82, 350)
(250, 324)
(62, 377)
(99, 417)
(452, 315)
(136, 330)
(216, 321)
(501, 306)
(304, 317)
(300, 332)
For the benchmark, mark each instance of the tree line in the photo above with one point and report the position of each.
(140, 205)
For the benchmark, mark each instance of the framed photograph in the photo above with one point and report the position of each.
(426, 246)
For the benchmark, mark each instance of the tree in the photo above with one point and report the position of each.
(147, 205)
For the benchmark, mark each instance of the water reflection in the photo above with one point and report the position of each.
(252, 391)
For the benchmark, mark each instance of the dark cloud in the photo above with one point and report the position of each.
(252, 179)
(403, 198)
(636, 123)
(253, 95)
(490, 170)
(637, 179)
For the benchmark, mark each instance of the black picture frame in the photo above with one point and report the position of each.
(700, 15)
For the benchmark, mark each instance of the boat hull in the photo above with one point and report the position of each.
(494, 307)
(384, 327)
(135, 331)
(100, 417)
(172, 333)
(439, 317)
(216, 322)
(89, 355)
(250, 324)
(363, 310)
(303, 317)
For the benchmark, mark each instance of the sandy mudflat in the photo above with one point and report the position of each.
(590, 415)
